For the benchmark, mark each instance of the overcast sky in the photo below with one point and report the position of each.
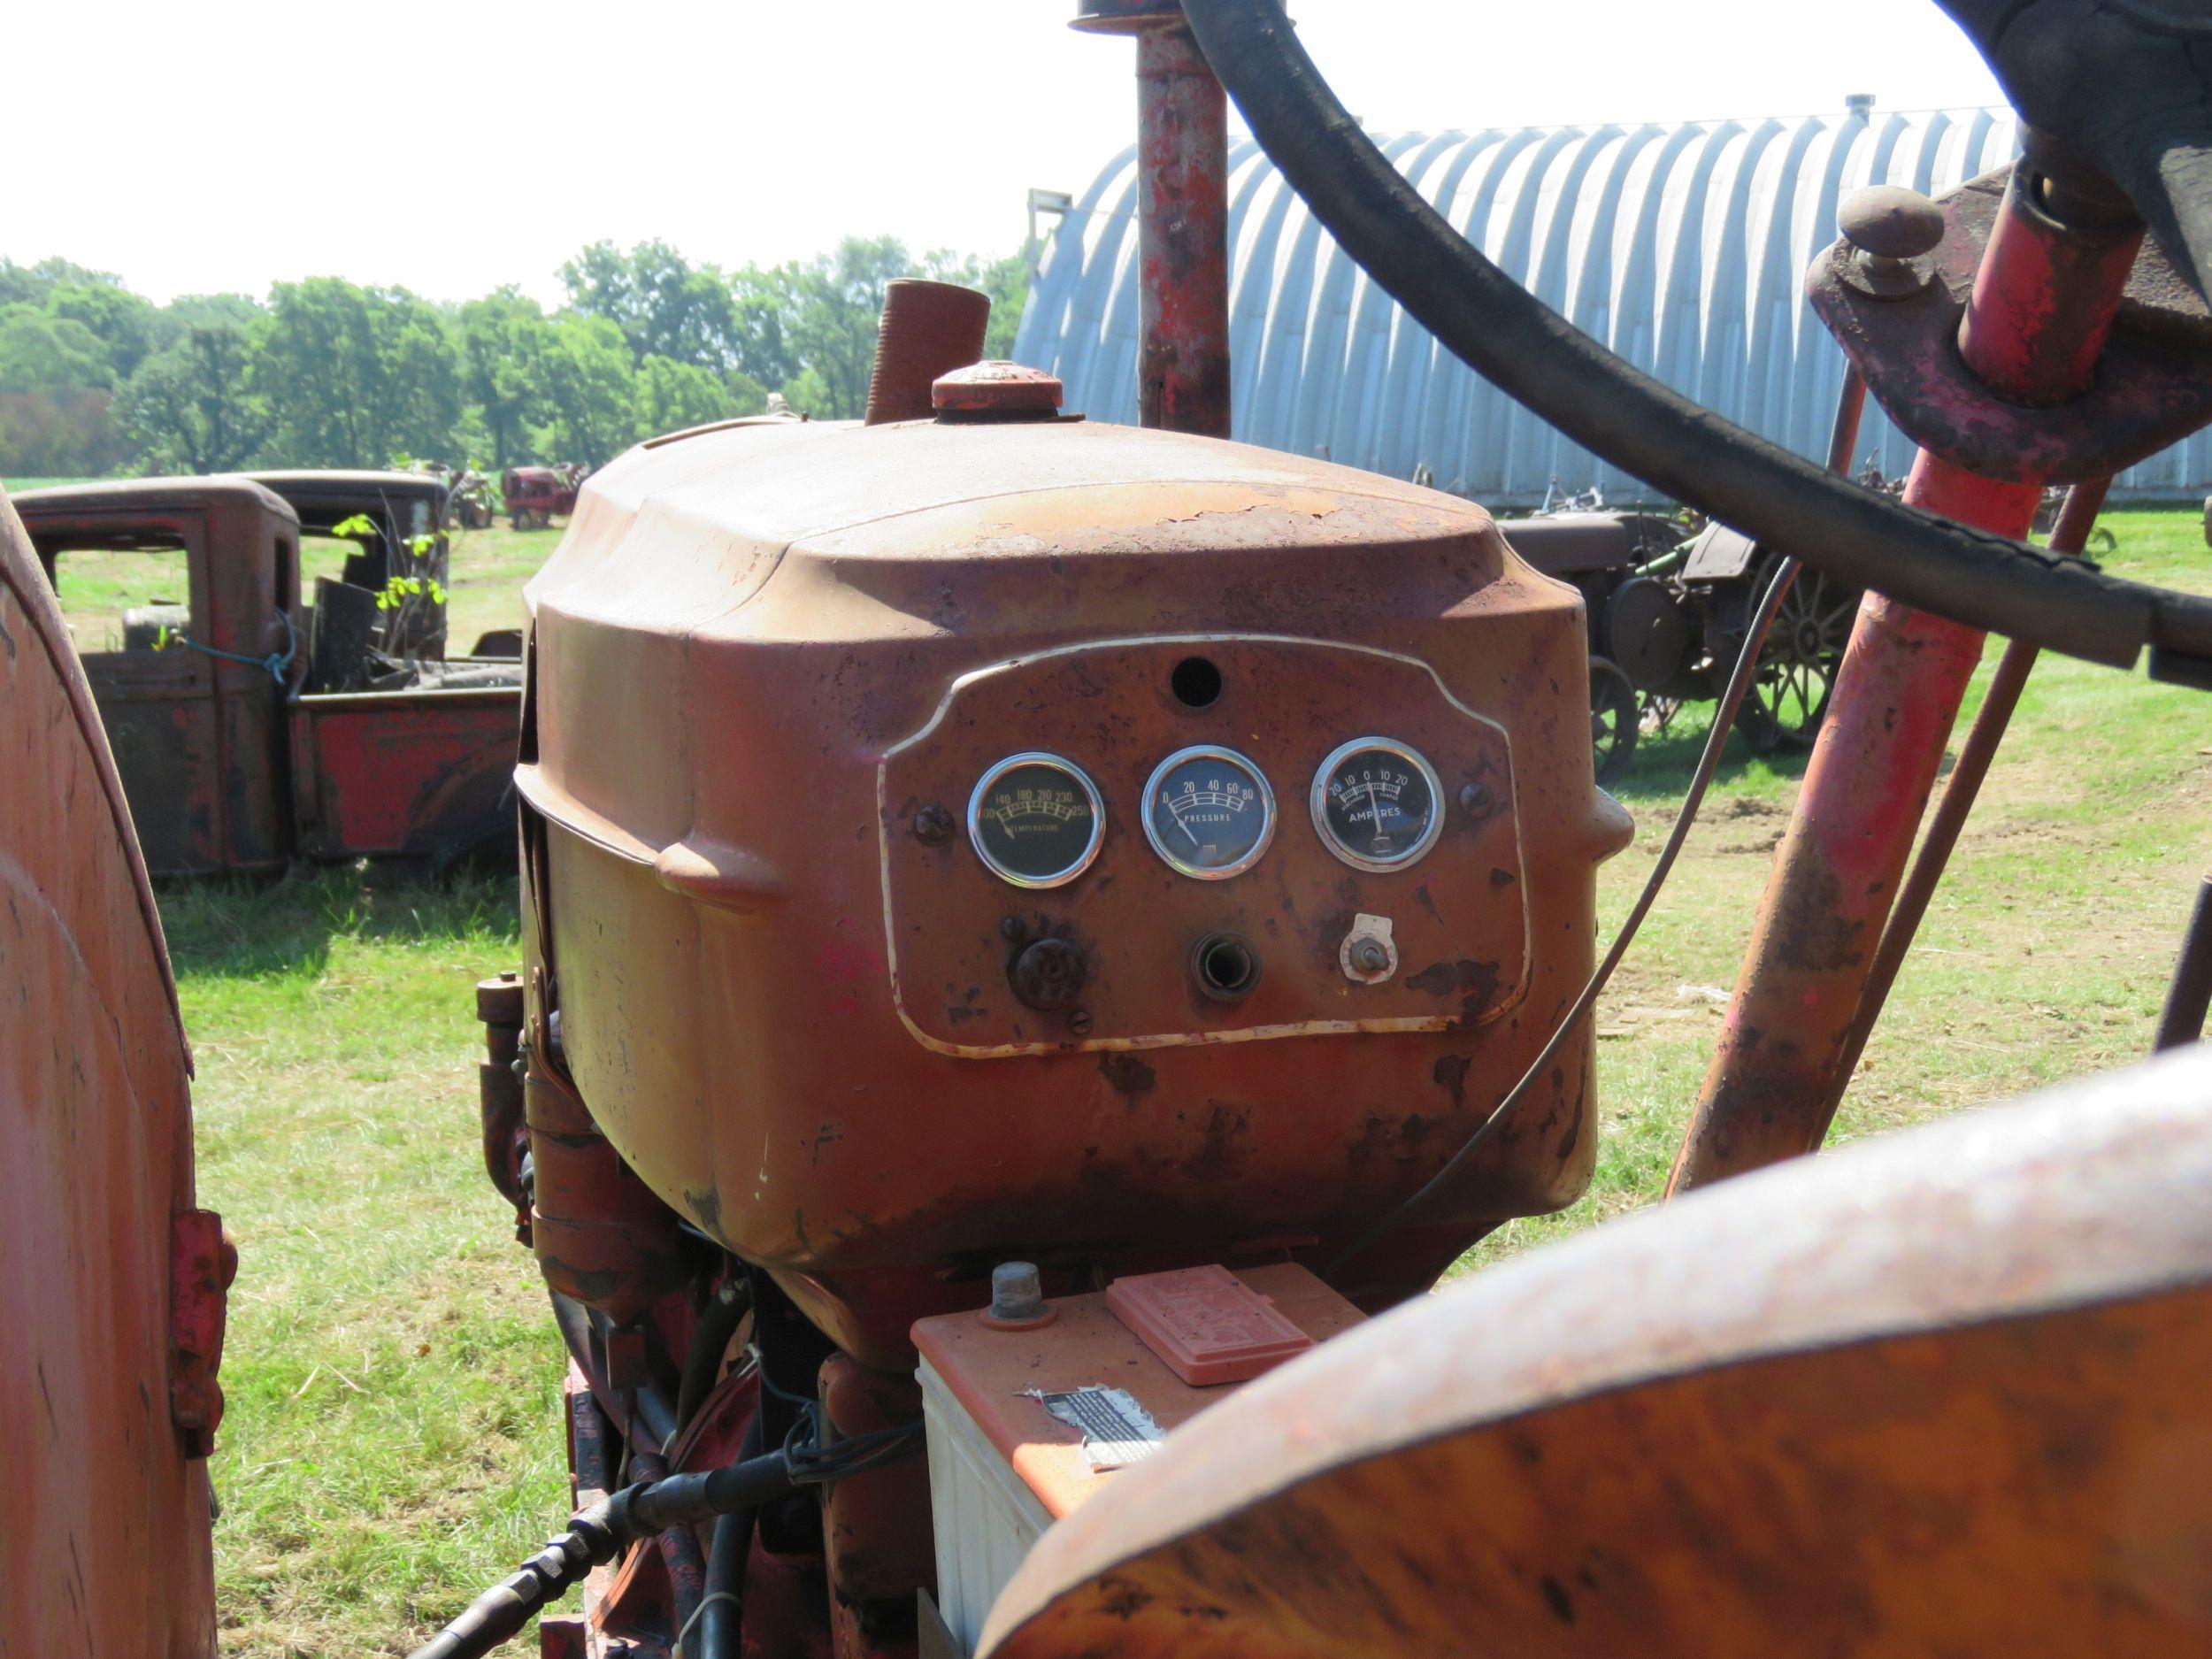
(450, 148)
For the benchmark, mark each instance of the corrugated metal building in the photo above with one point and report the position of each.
(1682, 247)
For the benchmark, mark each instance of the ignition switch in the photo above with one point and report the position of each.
(1046, 973)
(1368, 954)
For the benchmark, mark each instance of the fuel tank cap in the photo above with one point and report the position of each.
(996, 391)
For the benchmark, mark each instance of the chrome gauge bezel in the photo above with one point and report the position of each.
(1215, 751)
(1036, 758)
(1318, 803)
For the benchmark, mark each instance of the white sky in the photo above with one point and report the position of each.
(223, 145)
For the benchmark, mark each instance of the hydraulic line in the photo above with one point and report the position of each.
(610, 1525)
(1535, 355)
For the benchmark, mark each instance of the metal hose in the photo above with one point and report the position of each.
(1606, 405)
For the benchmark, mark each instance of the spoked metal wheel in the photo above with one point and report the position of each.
(1797, 670)
(1614, 719)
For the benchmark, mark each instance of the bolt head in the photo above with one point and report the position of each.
(1474, 799)
(932, 826)
(1012, 929)
(1079, 1021)
(1369, 956)
(1890, 222)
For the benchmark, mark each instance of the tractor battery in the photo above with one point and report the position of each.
(1029, 1417)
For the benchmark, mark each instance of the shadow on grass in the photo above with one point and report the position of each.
(251, 928)
(1665, 761)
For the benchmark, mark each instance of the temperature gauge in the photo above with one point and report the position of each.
(1208, 812)
(1377, 804)
(1036, 820)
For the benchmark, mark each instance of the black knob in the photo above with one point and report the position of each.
(1890, 222)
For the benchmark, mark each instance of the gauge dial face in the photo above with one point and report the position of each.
(1208, 812)
(1036, 820)
(1378, 803)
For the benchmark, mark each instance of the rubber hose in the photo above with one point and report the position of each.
(722, 1612)
(595, 1537)
(718, 1321)
(1541, 360)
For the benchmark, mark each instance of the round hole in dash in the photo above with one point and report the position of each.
(1196, 682)
(1226, 967)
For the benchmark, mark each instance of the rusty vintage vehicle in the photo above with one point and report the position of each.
(534, 496)
(248, 729)
(397, 520)
(1042, 939)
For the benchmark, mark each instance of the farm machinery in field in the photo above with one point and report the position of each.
(1042, 939)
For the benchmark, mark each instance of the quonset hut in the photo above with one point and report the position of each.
(1682, 247)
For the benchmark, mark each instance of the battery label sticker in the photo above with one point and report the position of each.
(1116, 1431)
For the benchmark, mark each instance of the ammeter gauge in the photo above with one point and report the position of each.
(1378, 803)
(1036, 820)
(1208, 812)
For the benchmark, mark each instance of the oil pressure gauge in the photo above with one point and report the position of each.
(1378, 803)
(1208, 812)
(1036, 820)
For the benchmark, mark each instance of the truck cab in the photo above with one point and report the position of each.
(183, 596)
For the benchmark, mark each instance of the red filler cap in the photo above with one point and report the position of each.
(1206, 1324)
(997, 388)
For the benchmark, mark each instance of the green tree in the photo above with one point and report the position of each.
(671, 395)
(353, 376)
(760, 306)
(588, 375)
(127, 326)
(190, 408)
(664, 305)
(30, 284)
(504, 342)
(189, 311)
(40, 352)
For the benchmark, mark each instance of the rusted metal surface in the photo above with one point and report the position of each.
(996, 388)
(1183, 217)
(1948, 822)
(2189, 993)
(601, 1239)
(506, 1136)
(531, 495)
(205, 742)
(1767, 1095)
(1461, 916)
(408, 541)
(928, 329)
(2154, 383)
(875, 1527)
(107, 1550)
(1947, 1397)
(786, 609)
(408, 774)
(203, 1261)
(197, 737)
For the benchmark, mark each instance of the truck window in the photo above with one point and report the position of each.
(122, 599)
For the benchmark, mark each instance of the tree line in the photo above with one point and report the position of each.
(96, 380)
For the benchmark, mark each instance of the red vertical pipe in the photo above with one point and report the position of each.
(2042, 305)
(1183, 234)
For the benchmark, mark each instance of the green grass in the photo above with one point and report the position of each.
(392, 1442)
(391, 1437)
(2045, 954)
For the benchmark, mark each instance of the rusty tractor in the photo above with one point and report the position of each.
(1042, 940)
(534, 496)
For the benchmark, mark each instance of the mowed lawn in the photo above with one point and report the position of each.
(392, 1443)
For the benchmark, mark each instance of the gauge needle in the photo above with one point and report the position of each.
(1178, 817)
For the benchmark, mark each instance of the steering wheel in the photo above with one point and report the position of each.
(2126, 84)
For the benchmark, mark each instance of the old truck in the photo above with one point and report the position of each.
(236, 753)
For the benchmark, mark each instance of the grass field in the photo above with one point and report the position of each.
(391, 1444)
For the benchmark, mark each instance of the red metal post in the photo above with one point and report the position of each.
(2042, 306)
(1183, 217)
